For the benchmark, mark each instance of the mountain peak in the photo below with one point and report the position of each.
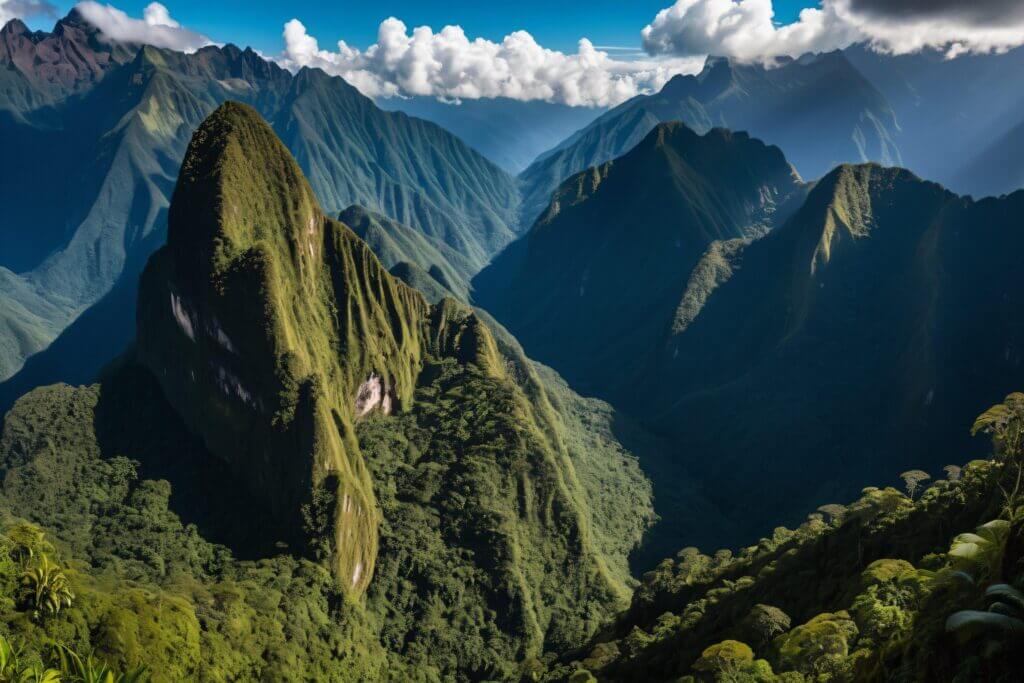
(14, 27)
(238, 185)
(850, 202)
(74, 20)
(273, 328)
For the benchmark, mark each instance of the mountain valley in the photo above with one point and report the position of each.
(296, 385)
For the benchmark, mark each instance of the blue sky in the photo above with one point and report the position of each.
(555, 24)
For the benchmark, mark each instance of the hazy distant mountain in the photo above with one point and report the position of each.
(511, 133)
(44, 68)
(818, 108)
(94, 133)
(959, 119)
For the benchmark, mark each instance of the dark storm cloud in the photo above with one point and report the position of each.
(971, 12)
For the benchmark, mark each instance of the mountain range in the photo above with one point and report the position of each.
(731, 313)
(108, 124)
(818, 108)
(341, 399)
(979, 127)
(340, 422)
(511, 133)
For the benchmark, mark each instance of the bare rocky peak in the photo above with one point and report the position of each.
(71, 58)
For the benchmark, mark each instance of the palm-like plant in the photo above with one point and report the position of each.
(88, 670)
(11, 670)
(48, 587)
(978, 556)
(1004, 422)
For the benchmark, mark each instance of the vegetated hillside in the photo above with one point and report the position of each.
(423, 262)
(819, 109)
(923, 586)
(97, 132)
(511, 133)
(959, 119)
(406, 168)
(592, 288)
(326, 477)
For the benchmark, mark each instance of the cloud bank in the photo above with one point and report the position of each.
(744, 29)
(156, 27)
(449, 65)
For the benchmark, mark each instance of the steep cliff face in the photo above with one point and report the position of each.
(272, 328)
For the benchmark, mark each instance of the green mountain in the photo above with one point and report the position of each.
(406, 168)
(303, 470)
(98, 132)
(880, 280)
(423, 262)
(591, 288)
(818, 108)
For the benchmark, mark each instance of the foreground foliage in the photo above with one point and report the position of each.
(876, 591)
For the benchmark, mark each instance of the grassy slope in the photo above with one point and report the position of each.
(511, 133)
(879, 280)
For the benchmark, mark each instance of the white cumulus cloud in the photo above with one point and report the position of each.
(448, 64)
(156, 27)
(745, 29)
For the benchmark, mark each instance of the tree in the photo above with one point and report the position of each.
(723, 654)
(913, 479)
(952, 472)
(835, 512)
(764, 622)
(1004, 423)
